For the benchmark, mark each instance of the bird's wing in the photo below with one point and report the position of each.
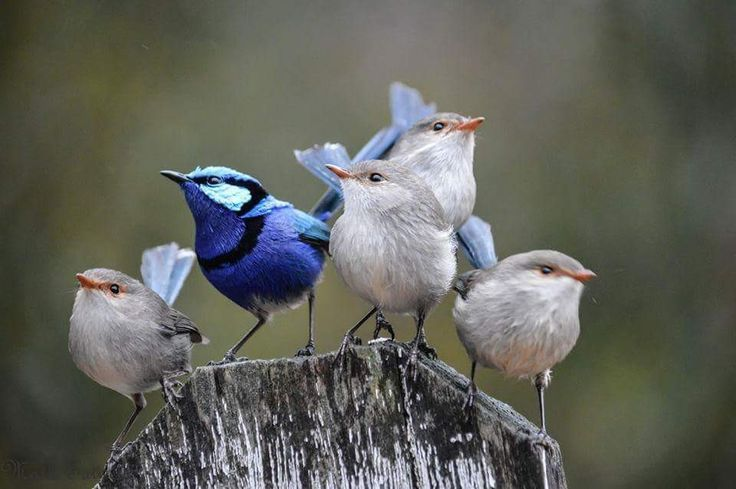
(178, 323)
(312, 230)
(476, 240)
(165, 268)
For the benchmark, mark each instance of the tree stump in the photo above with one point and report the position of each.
(302, 422)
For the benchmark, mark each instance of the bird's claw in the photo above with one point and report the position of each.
(115, 453)
(382, 324)
(410, 369)
(307, 351)
(347, 342)
(469, 404)
(228, 358)
(171, 392)
(427, 350)
(539, 438)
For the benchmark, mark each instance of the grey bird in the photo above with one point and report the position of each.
(440, 149)
(520, 316)
(392, 246)
(125, 337)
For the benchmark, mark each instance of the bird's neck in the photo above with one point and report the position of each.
(219, 230)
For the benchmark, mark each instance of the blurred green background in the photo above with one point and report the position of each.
(610, 135)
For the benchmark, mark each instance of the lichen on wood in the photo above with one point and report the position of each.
(302, 422)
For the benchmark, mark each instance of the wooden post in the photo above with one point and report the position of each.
(300, 422)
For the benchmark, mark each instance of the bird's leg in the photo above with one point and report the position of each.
(308, 350)
(381, 324)
(117, 448)
(424, 346)
(472, 390)
(411, 362)
(350, 339)
(230, 355)
(541, 382)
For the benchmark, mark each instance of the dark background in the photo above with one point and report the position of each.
(610, 135)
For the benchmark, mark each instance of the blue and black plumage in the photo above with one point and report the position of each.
(258, 251)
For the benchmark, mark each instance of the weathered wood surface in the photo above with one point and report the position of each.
(299, 422)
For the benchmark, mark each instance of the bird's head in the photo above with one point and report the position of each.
(380, 185)
(108, 292)
(445, 135)
(220, 186)
(545, 276)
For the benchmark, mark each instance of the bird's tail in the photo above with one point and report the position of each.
(165, 268)
(407, 108)
(476, 240)
(314, 159)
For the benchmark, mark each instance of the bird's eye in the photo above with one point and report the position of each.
(546, 270)
(438, 126)
(115, 289)
(376, 177)
(214, 180)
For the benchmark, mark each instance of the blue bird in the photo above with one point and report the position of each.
(258, 251)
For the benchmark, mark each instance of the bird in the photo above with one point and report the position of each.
(126, 337)
(439, 147)
(258, 251)
(392, 246)
(520, 317)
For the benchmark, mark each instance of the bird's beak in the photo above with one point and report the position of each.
(342, 173)
(471, 124)
(176, 176)
(584, 276)
(86, 282)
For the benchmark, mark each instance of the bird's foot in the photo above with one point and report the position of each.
(539, 438)
(171, 392)
(347, 342)
(410, 368)
(427, 350)
(115, 453)
(228, 358)
(469, 404)
(307, 351)
(381, 324)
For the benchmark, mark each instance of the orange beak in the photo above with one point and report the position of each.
(584, 276)
(471, 125)
(340, 172)
(86, 282)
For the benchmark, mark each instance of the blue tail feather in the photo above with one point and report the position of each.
(476, 240)
(165, 268)
(407, 108)
(315, 158)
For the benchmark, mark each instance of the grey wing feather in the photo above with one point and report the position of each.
(476, 240)
(178, 323)
(165, 268)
